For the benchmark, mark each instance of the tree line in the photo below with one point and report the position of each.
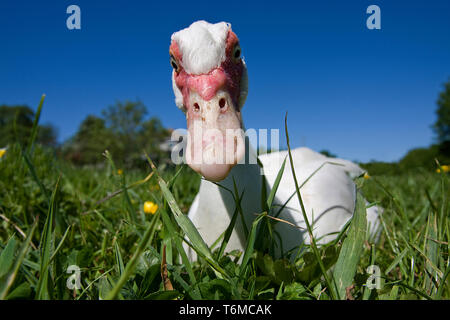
(124, 130)
(16, 123)
(121, 129)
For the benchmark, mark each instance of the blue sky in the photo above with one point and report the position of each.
(362, 94)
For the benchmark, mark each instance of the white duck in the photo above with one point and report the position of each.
(210, 85)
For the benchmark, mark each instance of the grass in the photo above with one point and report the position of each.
(54, 215)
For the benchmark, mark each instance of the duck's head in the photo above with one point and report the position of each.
(210, 84)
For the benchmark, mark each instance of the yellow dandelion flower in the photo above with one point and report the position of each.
(119, 172)
(2, 152)
(150, 207)
(366, 175)
(444, 168)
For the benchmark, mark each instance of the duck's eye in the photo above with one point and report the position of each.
(236, 53)
(174, 64)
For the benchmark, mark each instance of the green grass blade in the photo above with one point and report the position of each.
(352, 248)
(129, 205)
(34, 175)
(7, 280)
(172, 180)
(171, 230)
(331, 285)
(118, 256)
(275, 185)
(431, 251)
(239, 207)
(250, 244)
(61, 242)
(418, 292)
(35, 127)
(237, 201)
(117, 192)
(187, 226)
(442, 283)
(367, 291)
(129, 269)
(396, 261)
(7, 257)
(227, 234)
(46, 247)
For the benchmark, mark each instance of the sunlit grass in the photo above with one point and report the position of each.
(120, 226)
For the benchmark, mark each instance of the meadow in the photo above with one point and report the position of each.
(54, 216)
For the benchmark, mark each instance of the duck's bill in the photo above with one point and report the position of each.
(215, 142)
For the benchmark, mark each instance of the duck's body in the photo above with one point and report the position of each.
(329, 196)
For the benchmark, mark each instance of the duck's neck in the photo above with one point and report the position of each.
(248, 168)
(248, 180)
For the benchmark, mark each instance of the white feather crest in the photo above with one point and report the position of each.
(202, 45)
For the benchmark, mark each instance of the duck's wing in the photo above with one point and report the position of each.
(326, 186)
(302, 157)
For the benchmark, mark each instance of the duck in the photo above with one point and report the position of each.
(210, 84)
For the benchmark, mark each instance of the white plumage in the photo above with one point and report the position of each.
(327, 187)
(329, 197)
(202, 46)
